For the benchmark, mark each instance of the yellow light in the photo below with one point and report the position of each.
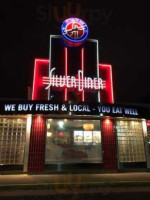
(49, 134)
(19, 120)
(48, 126)
(107, 121)
(88, 127)
(132, 123)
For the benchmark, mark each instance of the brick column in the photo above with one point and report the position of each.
(37, 144)
(109, 144)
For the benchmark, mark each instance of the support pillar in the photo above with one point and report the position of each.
(26, 154)
(37, 144)
(147, 145)
(109, 144)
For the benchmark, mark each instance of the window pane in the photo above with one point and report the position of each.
(73, 141)
(12, 141)
(130, 141)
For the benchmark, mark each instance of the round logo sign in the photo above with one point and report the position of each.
(74, 30)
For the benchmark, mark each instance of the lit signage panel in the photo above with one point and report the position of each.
(88, 109)
(71, 60)
(73, 73)
(42, 80)
(74, 30)
(71, 82)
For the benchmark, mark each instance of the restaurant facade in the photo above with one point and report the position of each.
(71, 122)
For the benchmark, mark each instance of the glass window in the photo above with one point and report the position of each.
(73, 141)
(11, 141)
(130, 141)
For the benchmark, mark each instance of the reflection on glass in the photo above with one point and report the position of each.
(70, 143)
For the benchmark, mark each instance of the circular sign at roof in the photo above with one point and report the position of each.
(74, 30)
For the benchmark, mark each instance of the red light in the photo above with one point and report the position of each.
(66, 71)
(106, 69)
(73, 44)
(37, 80)
(82, 68)
(61, 134)
(148, 123)
(41, 72)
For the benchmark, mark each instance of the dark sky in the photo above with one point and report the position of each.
(123, 31)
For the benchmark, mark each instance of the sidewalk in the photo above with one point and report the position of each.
(74, 179)
(68, 186)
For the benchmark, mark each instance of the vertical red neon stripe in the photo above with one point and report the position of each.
(66, 72)
(112, 91)
(38, 74)
(82, 68)
(107, 70)
(34, 80)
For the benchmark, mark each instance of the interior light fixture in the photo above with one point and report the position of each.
(48, 125)
(61, 124)
(49, 134)
(88, 127)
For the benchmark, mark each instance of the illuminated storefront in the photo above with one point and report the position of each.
(71, 122)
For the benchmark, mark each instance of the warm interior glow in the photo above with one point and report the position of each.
(144, 125)
(29, 121)
(107, 121)
(49, 134)
(132, 123)
(88, 127)
(48, 126)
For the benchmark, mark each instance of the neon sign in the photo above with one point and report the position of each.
(74, 30)
(79, 83)
(41, 75)
(90, 76)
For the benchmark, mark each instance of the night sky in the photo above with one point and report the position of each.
(123, 31)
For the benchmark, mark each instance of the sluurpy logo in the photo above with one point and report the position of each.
(74, 30)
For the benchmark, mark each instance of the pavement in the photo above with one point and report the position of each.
(74, 179)
(75, 186)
